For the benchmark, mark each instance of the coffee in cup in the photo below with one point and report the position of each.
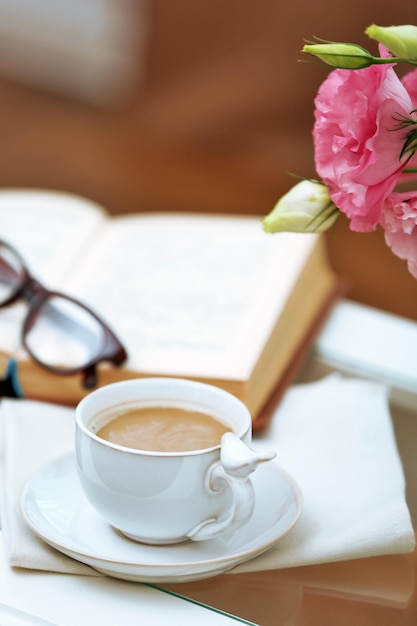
(164, 496)
(160, 428)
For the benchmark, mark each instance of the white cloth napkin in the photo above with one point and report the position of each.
(334, 437)
(33, 434)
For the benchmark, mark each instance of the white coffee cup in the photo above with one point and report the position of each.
(168, 497)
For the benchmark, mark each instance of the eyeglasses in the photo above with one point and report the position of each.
(60, 334)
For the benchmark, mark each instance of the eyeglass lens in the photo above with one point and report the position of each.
(64, 335)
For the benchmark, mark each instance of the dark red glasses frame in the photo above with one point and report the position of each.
(35, 294)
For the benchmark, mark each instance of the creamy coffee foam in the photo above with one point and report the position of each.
(160, 428)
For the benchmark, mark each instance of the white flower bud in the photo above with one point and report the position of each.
(307, 207)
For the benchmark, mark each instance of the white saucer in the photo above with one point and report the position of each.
(55, 507)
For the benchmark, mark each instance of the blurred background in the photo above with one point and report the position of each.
(192, 105)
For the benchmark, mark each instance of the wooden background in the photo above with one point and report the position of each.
(219, 115)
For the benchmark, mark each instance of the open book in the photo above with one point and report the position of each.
(206, 297)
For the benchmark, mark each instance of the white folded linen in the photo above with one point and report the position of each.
(34, 434)
(335, 438)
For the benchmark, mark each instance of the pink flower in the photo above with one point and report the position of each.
(356, 144)
(400, 223)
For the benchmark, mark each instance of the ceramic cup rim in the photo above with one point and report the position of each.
(82, 422)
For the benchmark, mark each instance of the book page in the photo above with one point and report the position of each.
(50, 231)
(194, 295)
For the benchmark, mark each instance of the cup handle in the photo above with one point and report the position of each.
(237, 462)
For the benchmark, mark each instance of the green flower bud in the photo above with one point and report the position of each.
(346, 56)
(306, 208)
(401, 41)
